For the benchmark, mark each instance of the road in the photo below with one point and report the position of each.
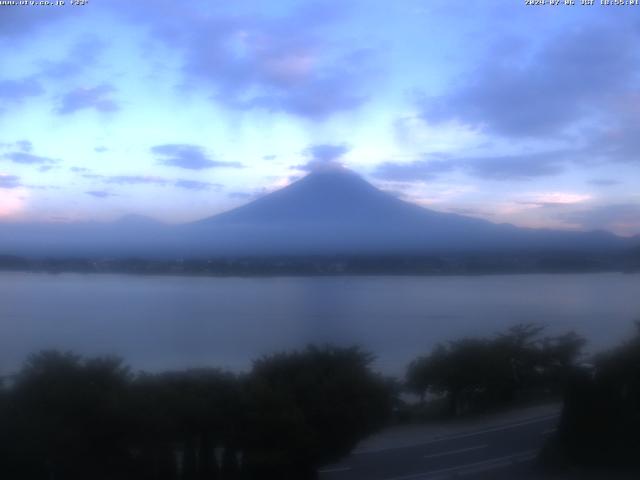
(500, 451)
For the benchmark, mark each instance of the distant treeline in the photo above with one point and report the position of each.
(66, 417)
(400, 264)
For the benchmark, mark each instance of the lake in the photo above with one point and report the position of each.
(175, 322)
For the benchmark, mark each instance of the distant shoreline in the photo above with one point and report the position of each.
(335, 266)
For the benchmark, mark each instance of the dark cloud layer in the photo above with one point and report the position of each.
(604, 182)
(82, 55)
(196, 185)
(9, 181)
(20, 22)
(24, 145)
(323, 156)
(279, 64)
(29, 159)
(14, 92)
(515, 167)
(97, 98)
(100, 193)
(190, 157)
(125, 180)
(420, 170)
(506, 168)
(572, 76)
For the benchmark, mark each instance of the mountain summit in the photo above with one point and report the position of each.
(331, 196)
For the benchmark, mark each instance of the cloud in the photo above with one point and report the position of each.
(554, 199)
(100, 149)
(617, 137)
(620, 218)
(326, 152)
(135, 180)
(100, 194)
(544, 92)
(24, 145)
(127, 179)
(29, 159)
(604, 182)
(196, 185)
(15, 92)
(502, 167)
(323, 157)
(9, 181)
(419, 170)
(43, 187)
(79, 169)
(191, 157)
(96, 98)
(285, 63)
(186, 184)
(84, 54)
(515, 167)
(24, 21)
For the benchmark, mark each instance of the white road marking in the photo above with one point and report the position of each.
(453, 452)
(458, 436)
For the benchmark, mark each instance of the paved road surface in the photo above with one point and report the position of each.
(500, 451)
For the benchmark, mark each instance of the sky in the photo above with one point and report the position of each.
(179, 110)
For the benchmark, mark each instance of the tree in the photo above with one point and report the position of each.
(477, 373)
(191, 412)
(600, 422)
(70, 418)
(309, 408)
(67, 417)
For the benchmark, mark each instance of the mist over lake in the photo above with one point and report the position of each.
(175, 322)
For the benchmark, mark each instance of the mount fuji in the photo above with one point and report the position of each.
(330, 212)
(338, 212)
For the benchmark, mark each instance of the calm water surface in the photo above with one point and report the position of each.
(175, 322)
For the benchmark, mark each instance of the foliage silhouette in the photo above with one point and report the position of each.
(67, 418)
(479, 373)
(312, 407)
(600, 423)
